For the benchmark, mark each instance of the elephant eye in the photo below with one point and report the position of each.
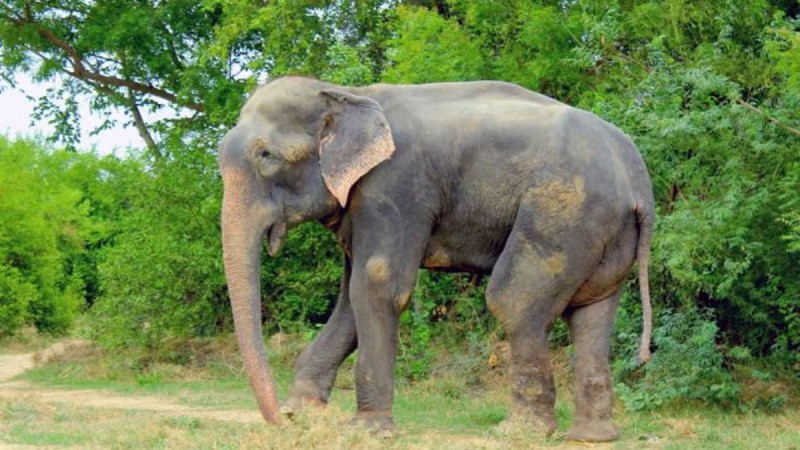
(265, 153)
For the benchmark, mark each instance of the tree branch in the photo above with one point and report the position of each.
(83, 74)
(626, 57)
(141, 126)
(173, 53)
(768, 117)
(80, 72)
(138, 121)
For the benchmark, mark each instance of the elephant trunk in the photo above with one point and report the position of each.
(241, 244)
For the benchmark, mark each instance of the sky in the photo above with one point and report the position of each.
(16, 109)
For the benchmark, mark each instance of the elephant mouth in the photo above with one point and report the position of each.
(276, 234)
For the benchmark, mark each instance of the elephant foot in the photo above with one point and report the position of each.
(295, 404)
(531, 425)
(380, 425)
(537, 418)
(596, 431)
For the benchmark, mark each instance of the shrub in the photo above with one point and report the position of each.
(300, 286)
(446, 312)
(42, 228)
(161, 274)
(687, 365)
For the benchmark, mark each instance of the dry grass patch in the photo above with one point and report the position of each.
(317, 428)
(203, 405)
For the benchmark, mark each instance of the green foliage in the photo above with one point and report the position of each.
(442, 304)
(124, 55)
(347, 66)
(687, 366)
(301, 286)
(791, 208)
(429, 48)
(718, 243)
(42, 227)
(535, 44)
(164, 269)
(724, 177)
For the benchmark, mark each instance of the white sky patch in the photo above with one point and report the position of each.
(16, 110)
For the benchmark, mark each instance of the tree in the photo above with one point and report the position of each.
(126, 55)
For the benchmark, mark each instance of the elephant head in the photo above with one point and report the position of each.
(298, 149)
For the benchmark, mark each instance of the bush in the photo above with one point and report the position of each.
(688, 365)
(161, 274)
(301, 285)
(43, 224)
(721, 181)
(446, 311)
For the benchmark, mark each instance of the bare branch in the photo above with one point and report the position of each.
(136, 86)
(141, 126)
(768, 117)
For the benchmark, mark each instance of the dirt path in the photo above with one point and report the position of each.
(14, 365)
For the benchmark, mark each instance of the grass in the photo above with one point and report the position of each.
(442, 411)
(467, 426)
(37, 423)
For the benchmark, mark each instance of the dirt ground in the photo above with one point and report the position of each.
(31, 393)
(16, 364)
(101, 418)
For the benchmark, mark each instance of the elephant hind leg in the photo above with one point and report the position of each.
(612, 269)
(591, 327)
(529, 288)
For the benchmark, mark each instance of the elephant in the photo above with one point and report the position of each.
(551, 202)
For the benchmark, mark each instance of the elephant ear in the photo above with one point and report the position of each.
(355, 138)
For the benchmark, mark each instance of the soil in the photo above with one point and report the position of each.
(16, 364)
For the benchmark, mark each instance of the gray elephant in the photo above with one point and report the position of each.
(484, 177)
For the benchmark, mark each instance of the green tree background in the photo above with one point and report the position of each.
(710, 92)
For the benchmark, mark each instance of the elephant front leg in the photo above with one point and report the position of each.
(379, 290)
(388, 241)
(591, 327)
(315, 370)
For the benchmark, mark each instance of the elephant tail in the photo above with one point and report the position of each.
(645, 220)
